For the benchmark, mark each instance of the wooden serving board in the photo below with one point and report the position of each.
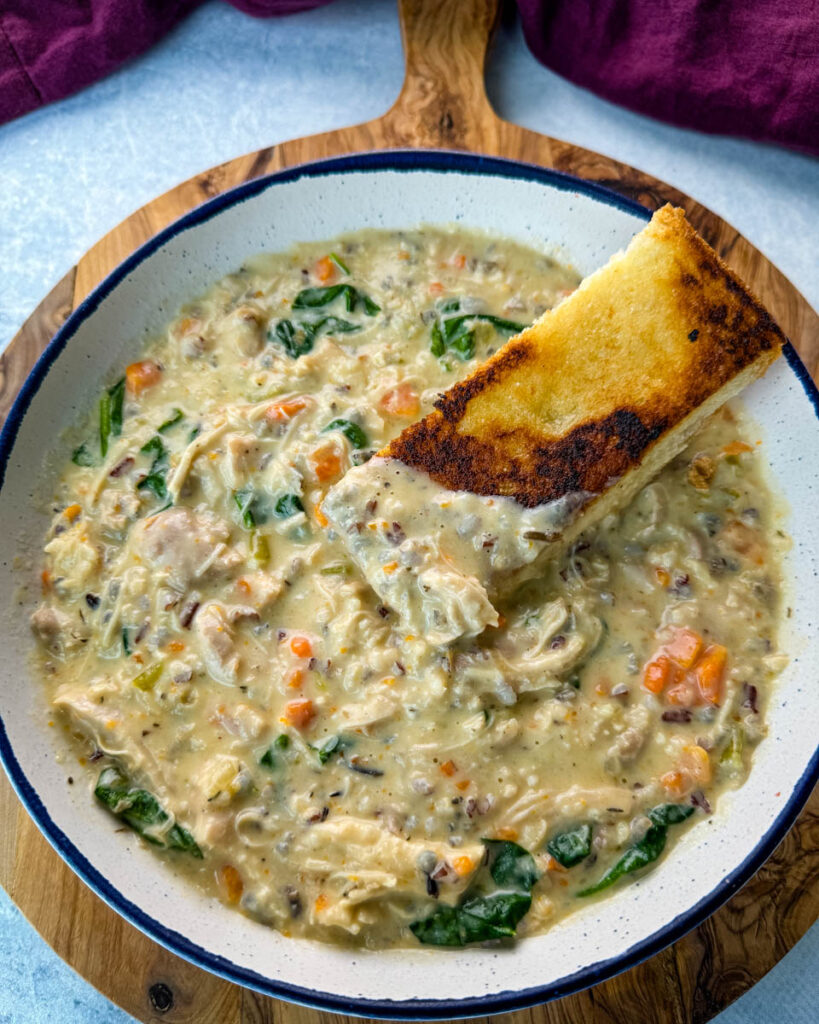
(442, 105)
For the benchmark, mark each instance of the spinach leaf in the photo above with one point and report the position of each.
(177, 417)
(646, 850)
(268, 758)
(454, 330)
(288, 505)
(484, 912)
(111, 414)
(140, 810)
(155, 480)
(334, 745)
(312, 298)
(116, 395)
(251, 506)
(81, 456)
(570, 847)
(354, 434)
(243, 499)
(295, 340)
(669, 814)
(105, 423)
(254, 506)
(298, 338)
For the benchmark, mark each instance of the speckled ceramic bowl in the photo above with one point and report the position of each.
(582, 224)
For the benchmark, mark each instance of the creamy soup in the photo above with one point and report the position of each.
(246, 703)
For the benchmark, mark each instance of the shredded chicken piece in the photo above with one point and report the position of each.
(217, 643)
(185, 544)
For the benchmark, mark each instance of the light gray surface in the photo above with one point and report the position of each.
(224, 84)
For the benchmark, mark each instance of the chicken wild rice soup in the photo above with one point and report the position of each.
(244, 701)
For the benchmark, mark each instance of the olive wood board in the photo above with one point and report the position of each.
(442, 105)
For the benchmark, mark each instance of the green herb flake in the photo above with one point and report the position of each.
(81, 456)
(141, 811)
(337, 569)
(340, 263)
(147, 680)
(259, 548)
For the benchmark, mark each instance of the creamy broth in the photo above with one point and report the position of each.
(248, 703)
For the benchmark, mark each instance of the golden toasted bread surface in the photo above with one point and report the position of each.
(577, 399)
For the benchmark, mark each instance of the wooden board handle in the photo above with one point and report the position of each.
(443, 102)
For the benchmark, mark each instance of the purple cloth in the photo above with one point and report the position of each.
(739, 67)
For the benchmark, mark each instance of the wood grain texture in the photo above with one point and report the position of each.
(442, 105)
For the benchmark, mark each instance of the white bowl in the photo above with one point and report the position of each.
(580, 223)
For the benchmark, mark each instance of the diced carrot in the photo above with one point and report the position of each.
(663, 576)
(325, 270)
(321, 518)
(675, 783)
(325, 462)
(71, 512)
(709, 671)
(462, 866)
(244, 586)
(295, 680)
(684, 692)
(657, 673)
(696, 763)
(301, 646)
(187, 325)
(448, 768)
(390, 568)
(142, 375)
(322, 903)
(45, 580)
(176, 646)
(553, 865)
(459, 261)
(435, 288)
(401, 400)
(230, 881)
(286, 408)
(464, 784)
(300, 713)
(504, 832)
(736, 448)
(685, 647)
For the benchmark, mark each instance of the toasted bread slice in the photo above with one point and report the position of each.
(570, 418)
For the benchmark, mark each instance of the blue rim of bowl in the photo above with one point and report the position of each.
(423, 1009)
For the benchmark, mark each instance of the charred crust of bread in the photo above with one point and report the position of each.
(588, 458)
(719, 329)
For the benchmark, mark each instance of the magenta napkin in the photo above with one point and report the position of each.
(738, 67)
